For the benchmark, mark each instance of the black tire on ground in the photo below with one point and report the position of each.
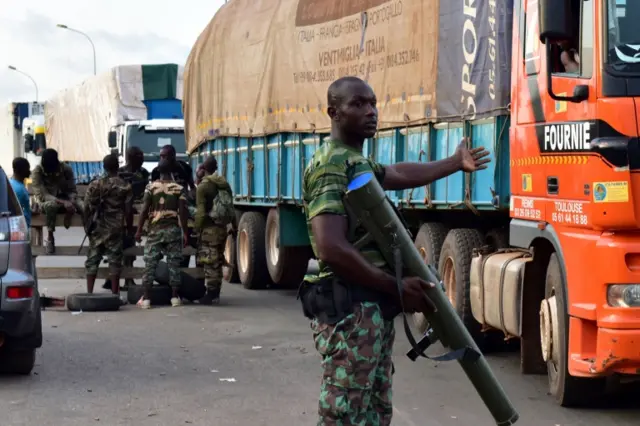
(567, 390)
(251, 255)
(287, 265)
(454, 268)
(230, 273)
(96, 302)
(429, 240)
(160, 295)
(190, 288)
(17, 361)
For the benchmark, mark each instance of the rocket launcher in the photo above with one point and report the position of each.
(367, 202)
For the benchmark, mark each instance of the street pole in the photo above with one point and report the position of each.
(12, 68)
(88, 38)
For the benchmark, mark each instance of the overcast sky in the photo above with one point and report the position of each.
(123, 31)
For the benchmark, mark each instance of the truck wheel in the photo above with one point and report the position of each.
(454, 268)
(17, 361)
(230, 273)
(567, 390)
(429, 242)
(287, 265)
(251, 253)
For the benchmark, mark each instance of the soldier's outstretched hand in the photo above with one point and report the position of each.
(414, 295)
(473, 159)
(139, 236)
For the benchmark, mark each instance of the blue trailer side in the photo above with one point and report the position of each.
(266, 177)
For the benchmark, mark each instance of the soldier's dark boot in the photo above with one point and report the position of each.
(211, 297)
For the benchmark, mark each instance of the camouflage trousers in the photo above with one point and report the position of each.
(110, 247)
(357, 378)
(211, 255)
(50, 209)
(163, 242)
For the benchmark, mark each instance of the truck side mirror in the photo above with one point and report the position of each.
(113, 139)
(28, 142)
(555, 20)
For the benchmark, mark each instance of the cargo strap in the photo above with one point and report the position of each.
(417, 349)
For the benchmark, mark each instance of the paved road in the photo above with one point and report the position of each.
(248, 361)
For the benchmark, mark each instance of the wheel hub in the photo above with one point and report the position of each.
(449, 279)
(243, 250)
(274, 245)
(549, 330)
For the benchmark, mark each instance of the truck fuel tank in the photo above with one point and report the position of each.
(496, 282)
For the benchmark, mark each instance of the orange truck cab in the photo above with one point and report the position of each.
(574, 245)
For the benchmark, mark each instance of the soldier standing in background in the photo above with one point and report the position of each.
(55, 191)
(214, 203)
(165, 205)
(108, 212)
(138, 177)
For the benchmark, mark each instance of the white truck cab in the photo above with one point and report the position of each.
(150, 136)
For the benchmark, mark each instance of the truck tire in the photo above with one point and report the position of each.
(567, 390)
(230, 273)
(429, 240)
(251, 253)
(160, 295)
(287, 265)
(95, 302)
(17, 361)
(454, 268)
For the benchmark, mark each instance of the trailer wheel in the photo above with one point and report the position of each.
(429, 240)
(454, 268)
(287, 265)
(567, 390)
(251, 253)
(230, 272)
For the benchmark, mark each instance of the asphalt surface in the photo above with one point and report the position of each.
(249, 361)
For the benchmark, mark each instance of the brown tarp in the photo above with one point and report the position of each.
(263, 66)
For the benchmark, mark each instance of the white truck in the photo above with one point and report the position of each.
(21, 133)
(130, 105)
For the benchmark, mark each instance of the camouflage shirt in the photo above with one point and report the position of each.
(51, 186)
(138, 180)
(164, 199)
(109, 196)
(325, 182)
(206, 192)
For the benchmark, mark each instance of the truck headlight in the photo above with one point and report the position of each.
(624, 295)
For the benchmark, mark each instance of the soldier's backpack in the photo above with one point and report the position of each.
(222, 211)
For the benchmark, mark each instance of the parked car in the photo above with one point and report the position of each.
(20, 315)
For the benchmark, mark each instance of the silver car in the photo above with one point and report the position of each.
(20, 316)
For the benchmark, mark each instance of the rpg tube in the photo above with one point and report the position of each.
(368, 202)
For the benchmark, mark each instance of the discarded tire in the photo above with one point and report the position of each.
(190, 288)
(160, 295)
(96, 302)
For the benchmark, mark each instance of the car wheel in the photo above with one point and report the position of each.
(17, 361)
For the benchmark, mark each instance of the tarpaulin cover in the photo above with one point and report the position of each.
(79, 119)
(264, 66)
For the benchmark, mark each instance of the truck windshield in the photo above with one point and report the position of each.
(623, 47)
(151, 141)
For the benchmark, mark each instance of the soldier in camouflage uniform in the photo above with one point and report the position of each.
(55, 192)
(166, 207)
(355, 337)
(108, 203)
(136, 175)
(212, 233)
